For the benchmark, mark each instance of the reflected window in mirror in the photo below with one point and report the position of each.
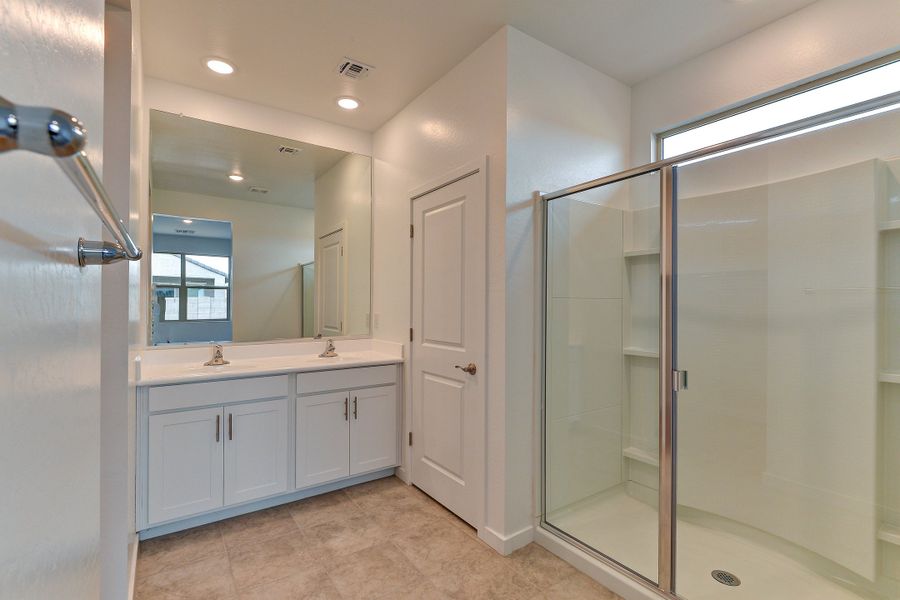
(190, 280)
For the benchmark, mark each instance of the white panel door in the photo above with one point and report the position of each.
(449, 305)
(374, 429)
(184, 463)
(50, 431)
(255, 450)
(323, 438)
(330, 271)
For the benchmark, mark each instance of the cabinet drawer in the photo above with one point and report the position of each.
(189, 395)
(345, 379)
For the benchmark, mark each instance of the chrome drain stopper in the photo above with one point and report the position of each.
(726, 578)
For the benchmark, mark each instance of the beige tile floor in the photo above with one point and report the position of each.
(377, 540)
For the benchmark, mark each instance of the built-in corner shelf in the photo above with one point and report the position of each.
(889, 225)
(889, 377)
(889, 533)
(644, 352)
(641, 252)
(640, 456)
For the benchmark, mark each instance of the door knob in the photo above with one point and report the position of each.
(469, 368)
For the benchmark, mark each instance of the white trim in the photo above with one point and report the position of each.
(452, 176)
(132, 564)
(596, 570)
(506, 544)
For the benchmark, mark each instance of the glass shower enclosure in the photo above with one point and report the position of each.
(721, 407)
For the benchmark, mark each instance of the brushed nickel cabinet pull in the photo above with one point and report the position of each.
(218, 418)
(230, 427)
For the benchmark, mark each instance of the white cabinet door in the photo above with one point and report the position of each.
(374, 429)
(185, 463)
(256, 437)
(323, 444)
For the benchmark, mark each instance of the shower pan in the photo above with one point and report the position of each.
(721, 402)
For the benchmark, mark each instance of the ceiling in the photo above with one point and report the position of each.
(190, 155)
(286, 51)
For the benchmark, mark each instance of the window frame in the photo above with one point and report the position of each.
(770, 98)
(183, 288)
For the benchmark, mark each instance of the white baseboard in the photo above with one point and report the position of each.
(604, 574)
(506, 544)
(132, 564)
(403, 475)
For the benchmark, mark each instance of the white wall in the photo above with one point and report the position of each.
(269, 241)
(816, 39)
(566, 123)
(50, 338)
(460, 119)
(344, 199)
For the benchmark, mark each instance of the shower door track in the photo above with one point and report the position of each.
(667, 332)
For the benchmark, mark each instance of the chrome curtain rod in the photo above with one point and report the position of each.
(55, 133)
(760, 136)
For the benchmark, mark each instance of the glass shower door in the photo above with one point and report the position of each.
(601, 411)
(788, 322)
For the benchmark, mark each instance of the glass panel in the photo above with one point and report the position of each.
(212, 271)
(788, 459)
(207, 303)
(166, 268)
(167, 303)
(601, 439)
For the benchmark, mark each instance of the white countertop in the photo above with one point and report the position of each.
(151, 372)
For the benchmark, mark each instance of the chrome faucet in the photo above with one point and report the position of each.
(329, 350)
(217, 359)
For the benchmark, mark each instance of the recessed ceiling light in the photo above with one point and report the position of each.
(217, 65)
(236, 177)
(187, 221)
(348, 103)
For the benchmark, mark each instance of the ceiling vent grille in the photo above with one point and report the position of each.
(353, 69)
(258, 190)
(288, 150)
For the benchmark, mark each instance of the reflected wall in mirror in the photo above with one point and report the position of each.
(255, 237)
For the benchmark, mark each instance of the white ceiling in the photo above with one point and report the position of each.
(286, 51)
(190, 155)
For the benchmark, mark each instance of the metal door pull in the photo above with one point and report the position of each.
(57, 134)
(470, 368)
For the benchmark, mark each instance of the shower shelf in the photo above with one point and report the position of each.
(640, 455)
(889, 377)
(644, 352)
(889, 225)
(889, 533)
(641, 252)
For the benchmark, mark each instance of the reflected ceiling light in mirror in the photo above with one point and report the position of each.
(187, 221)
(348, 103)
(217, 65)
(236, 177)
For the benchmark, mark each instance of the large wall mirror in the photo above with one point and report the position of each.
(255, 237)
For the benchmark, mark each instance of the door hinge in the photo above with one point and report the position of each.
(410, 438)
(679, 380)
(342, 250)
(410, 334)
(410, 230)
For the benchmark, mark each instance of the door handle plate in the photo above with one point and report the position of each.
(470, 368)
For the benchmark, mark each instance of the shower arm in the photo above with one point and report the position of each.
(57, 134)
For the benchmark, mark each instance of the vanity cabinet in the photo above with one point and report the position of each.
(208, 450)
(347, 424)
(184, 463)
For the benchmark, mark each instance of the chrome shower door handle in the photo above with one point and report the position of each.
(470, 368)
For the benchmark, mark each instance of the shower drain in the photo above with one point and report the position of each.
(726, 578)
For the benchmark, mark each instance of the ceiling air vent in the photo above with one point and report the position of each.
(258, 190)
(353, 69)
(288, 150)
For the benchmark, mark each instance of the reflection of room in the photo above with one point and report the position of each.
(290, 208)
